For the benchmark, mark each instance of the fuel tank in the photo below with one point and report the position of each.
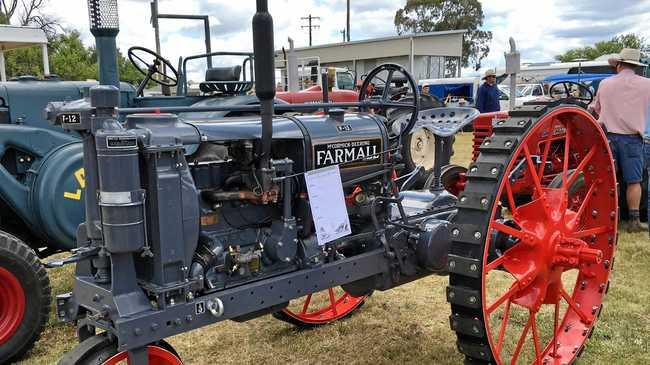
(357, 142)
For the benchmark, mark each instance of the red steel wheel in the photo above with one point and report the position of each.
(101, 349)
(157, 356)
(12, 305)
(546, 260)
(321, 308)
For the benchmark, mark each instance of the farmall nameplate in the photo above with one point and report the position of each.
(348, 154)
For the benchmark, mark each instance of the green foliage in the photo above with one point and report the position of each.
(69, 59)
(614, 45)
(24, 61)
(439, 15)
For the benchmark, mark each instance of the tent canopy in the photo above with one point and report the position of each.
(576, 77)
(16, 37)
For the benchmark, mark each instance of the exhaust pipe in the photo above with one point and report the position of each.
(264, 53)
(104, 26)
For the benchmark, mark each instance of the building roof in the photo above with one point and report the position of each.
(384, 39)
(445, 43)
(12, 36)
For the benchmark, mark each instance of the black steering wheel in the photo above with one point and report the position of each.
(585, 95)
(152, 67)
(409, 106)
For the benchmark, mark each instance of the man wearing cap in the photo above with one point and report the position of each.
(487, 97)
(623, 106)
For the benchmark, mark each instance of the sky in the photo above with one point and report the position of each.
(541, 28)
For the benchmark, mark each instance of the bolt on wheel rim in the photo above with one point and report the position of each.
(550, 248)
(12, 305)
(157, 356)
(324, 307)
(422, 148)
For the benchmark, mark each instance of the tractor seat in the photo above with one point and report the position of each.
(224, 80)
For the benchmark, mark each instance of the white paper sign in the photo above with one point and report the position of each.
(327, 204)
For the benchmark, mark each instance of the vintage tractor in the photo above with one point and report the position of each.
(234, 229)
(42, 180)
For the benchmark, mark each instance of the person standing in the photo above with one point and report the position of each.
(623, 106)
(425, 89)
(487, 97)
(646, 152)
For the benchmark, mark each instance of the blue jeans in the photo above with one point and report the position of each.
(646, 153)
(628, 154)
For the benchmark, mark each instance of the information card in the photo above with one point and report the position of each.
(327, 204)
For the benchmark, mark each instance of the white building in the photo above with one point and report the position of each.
(424, 55)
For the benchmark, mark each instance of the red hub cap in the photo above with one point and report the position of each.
(12, 305)
(550, 245)
(323, 307)
(157, 356)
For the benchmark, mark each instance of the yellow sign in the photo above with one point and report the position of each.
(81, 180)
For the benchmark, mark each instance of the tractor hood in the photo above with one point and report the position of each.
(232, 101)
(244, 128)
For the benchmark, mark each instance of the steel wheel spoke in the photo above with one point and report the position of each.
(306, 305)
(574, 306)
(547, 149)
(592, 231)
(556, 327)
(581, 166)
(495, 263)
(332, 300)
(503, 298)
(565, 163)
(504, 325)
(520, 343)
(538, 354)
(508, 230)
(585, 202)
(533, 171)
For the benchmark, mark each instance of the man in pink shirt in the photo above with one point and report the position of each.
(623, 106)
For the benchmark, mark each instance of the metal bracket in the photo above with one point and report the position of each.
(79, 254)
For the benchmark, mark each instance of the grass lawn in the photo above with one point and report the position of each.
(408, 324)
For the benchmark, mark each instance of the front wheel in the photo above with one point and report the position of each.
(102, 350)
(24, 298)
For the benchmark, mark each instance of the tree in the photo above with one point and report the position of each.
(439, 15)
(614, 45)
(69, 59)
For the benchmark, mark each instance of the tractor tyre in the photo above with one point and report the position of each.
(22, 278)
(528, 278)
